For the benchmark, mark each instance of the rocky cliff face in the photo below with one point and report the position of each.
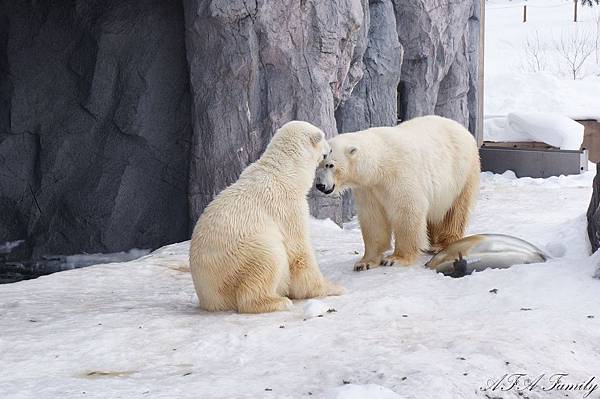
(114, 116)
(94, 125)
(373, 100)
(255, 65)
(440, 68)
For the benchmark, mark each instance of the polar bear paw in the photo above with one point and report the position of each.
(392, 260)
(363, 265)
(265, 305)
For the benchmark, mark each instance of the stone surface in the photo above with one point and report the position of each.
(593, 215)
(255, 65)
(94, 125)
(440, 66)
(374, 99)
(430, 66)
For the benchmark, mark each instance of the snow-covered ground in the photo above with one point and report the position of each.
(524, 70)
(133, 330)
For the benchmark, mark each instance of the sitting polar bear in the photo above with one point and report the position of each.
(418, 180)
(251, 247)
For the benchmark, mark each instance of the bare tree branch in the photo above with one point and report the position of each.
(535, 53)
(596, 15)
(574, 47)
(590, 2)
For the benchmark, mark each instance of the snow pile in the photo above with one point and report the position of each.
(497, 130)
(133, 330)
(315, 308)
(555, 130)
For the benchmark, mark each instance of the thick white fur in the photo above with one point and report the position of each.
(251, 249)
(417, 181)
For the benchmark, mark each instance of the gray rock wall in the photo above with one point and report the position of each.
(373, 100)
(439, 71)
(255, 65)
(121, 120)
(94, 125)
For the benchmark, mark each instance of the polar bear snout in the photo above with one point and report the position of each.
(323, 188)
(324, 181)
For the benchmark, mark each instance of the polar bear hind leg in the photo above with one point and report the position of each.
(263, 278)
(452, 227)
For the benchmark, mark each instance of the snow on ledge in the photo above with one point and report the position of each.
(555, 130)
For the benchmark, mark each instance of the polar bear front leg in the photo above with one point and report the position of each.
(410, 234)
(375, 228)
(306, 280)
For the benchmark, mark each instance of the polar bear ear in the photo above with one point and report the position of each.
(316, 137)
(351, 150)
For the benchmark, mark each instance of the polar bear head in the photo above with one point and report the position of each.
(299, 142)
(340, 169)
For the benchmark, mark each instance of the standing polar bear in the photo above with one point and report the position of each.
(418, 180)
(251, 249)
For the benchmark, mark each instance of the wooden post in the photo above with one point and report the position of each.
(524, 13)
(575, 11)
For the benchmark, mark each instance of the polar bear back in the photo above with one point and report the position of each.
(433, 155)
